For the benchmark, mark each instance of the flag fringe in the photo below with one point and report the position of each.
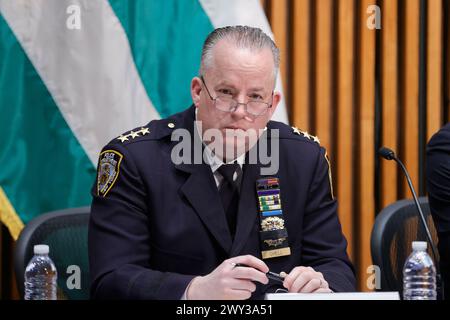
(9, 216)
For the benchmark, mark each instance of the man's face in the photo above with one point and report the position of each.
(244, 75)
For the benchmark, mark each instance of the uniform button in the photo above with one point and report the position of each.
(171, 125)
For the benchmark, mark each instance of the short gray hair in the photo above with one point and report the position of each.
(243, 37)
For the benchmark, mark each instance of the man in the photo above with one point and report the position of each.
(161, 229)
(438, 184)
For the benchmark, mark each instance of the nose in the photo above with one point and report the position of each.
(239, 111)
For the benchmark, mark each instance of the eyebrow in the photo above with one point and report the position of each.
(257, 89)
(227, 84)
(224, 83)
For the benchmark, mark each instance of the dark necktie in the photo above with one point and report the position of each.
(229, 194)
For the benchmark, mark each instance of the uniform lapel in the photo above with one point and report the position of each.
(247, 213)
(201, 191)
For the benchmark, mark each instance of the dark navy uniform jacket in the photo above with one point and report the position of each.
(156, 225)
(438, 183)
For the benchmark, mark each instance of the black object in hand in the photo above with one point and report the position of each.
(271, 275)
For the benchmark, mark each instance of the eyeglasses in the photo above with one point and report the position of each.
(228, 104)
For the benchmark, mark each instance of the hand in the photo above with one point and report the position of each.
(306, 280)
(229, 281)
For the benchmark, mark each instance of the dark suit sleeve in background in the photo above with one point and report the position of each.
(438, 184)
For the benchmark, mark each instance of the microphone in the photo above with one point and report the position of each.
(389, 154)
(386, 153)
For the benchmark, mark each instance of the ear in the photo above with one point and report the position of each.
(276, 100)
(196, 89)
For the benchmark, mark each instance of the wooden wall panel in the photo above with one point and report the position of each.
(345, 108)
(323, 69)
(279, 23)
(447, 59)
(365, 210)
(410, 93)
(389, 90)
(446, 63)
(434, 67)
(301, 49)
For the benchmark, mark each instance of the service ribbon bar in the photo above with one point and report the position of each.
(273, 234)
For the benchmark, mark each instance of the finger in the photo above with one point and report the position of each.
(252, 261)
(323, 290)
(249, 273)
(324, 284)
(236, 294)
(311, 286)
(238, 284)
(302, 279)
(292, 276)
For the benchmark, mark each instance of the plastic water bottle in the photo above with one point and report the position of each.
(419, 274)
(40, 276)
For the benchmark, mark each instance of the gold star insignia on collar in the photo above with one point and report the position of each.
(123, 138)
(316, 139)
(134, 134)
(306, 134)
(144, 131)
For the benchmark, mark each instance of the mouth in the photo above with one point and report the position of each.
(232, 128)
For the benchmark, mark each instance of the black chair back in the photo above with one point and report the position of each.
(395, 227)
(65, 232)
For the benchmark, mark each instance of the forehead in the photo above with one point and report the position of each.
(227, 58)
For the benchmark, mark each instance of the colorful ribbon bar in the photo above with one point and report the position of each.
(271, 213)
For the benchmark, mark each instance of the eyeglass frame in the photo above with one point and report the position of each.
(269, 105)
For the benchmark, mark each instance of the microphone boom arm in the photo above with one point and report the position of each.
(388, 154)
(422, 216)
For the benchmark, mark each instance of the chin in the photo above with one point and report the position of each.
(234, 148)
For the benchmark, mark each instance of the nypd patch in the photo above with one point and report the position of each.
(108, 171)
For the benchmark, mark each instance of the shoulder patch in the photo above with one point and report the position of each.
(134, 134)
(305, 134)
(108, 171)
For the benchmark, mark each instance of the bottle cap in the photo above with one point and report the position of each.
(419, 245)
(41, 249)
